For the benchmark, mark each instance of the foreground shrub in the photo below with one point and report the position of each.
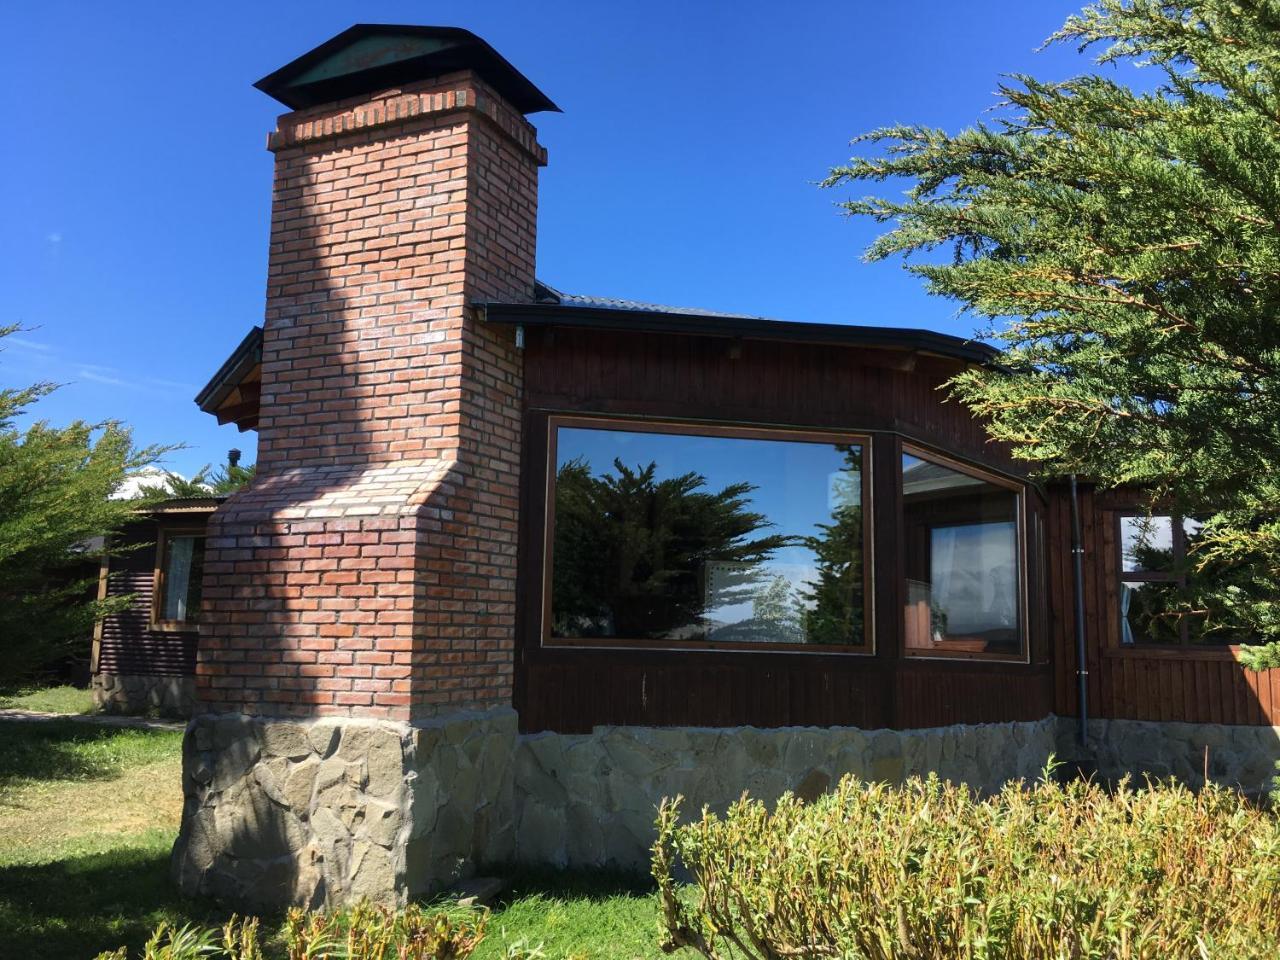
(364, 933)
(927, 871)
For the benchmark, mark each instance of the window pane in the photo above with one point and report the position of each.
(962, 564)
(680, 538)
(1148, 612)
(1202, 630)
(183, 572)
(1146, 544)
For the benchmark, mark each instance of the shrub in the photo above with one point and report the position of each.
(928, 871)
(363, 933)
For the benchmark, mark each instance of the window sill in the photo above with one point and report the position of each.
(174, 626)
(1173, 653)
(968, 656)
(676, 646)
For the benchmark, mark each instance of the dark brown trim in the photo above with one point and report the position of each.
(1172, 651)
(690, 428)
(654, 319)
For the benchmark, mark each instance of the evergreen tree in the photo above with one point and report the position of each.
(226, 479)
(56, 506)
(231, 477)
(834, 603)
(631, 550)
(1124, 247)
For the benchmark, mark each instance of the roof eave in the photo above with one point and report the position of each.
(241, 361)
(745, 328)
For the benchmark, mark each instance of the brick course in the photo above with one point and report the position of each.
(370, 569)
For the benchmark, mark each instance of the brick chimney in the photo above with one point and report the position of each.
(368, 574)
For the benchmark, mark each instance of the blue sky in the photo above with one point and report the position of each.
(135, 186)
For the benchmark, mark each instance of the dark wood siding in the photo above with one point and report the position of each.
(1190, 685)
(128, 645)
(890, 394)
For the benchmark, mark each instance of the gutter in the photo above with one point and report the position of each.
(1082, 669)
(744, 328)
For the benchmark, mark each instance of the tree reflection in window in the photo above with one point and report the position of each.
(1157, 583)
(689, 539)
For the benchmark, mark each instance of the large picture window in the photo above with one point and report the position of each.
(175, 604)
(963, 560)
(703, 537)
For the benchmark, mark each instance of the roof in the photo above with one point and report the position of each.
(369, 57)
(554, 308)
(183, 505)
(232, 394)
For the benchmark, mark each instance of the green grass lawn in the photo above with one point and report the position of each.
(49, 700)
(87, 817)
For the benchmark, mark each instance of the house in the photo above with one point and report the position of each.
(518, 563)
(143, 659)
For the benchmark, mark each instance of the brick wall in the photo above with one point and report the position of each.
(370, 569)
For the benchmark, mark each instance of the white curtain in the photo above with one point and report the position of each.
(177, 577)
(974, 574)
(1126, 597)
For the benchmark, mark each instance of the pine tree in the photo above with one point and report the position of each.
(630, 549)
(1124, 247)
(835, 601)
(56, 506)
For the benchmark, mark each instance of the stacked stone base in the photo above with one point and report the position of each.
(590, 800)
(1241, 757)
(167, 696)
(333, 811)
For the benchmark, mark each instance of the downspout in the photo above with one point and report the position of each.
(1082, 671)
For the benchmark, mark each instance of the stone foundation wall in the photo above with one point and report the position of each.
(332, 811)
(590, 800)
(168, 696)
(1241, 757)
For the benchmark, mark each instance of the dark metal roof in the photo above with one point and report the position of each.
(374, 56)
(554, 308)
(243, 359)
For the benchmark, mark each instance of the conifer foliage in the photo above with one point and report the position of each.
(56, 505)
(1122, 243)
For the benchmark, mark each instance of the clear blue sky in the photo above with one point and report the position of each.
(135, 186)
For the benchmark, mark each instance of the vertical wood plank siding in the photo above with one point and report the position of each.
(1189, 685)
(776, 384)
(129, 646)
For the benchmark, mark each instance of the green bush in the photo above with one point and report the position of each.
(364, 933)
(928, 871)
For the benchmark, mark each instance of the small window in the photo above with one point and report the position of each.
(180, 570)
(706, 538)
(1153, 583)
(961, 545)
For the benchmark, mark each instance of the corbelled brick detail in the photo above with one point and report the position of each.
(370, 569)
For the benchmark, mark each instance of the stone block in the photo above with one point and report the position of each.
(285, 740)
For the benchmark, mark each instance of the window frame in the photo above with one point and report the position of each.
(1178, 538)
(1021, 558)
(163, 535)
(705, 429)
